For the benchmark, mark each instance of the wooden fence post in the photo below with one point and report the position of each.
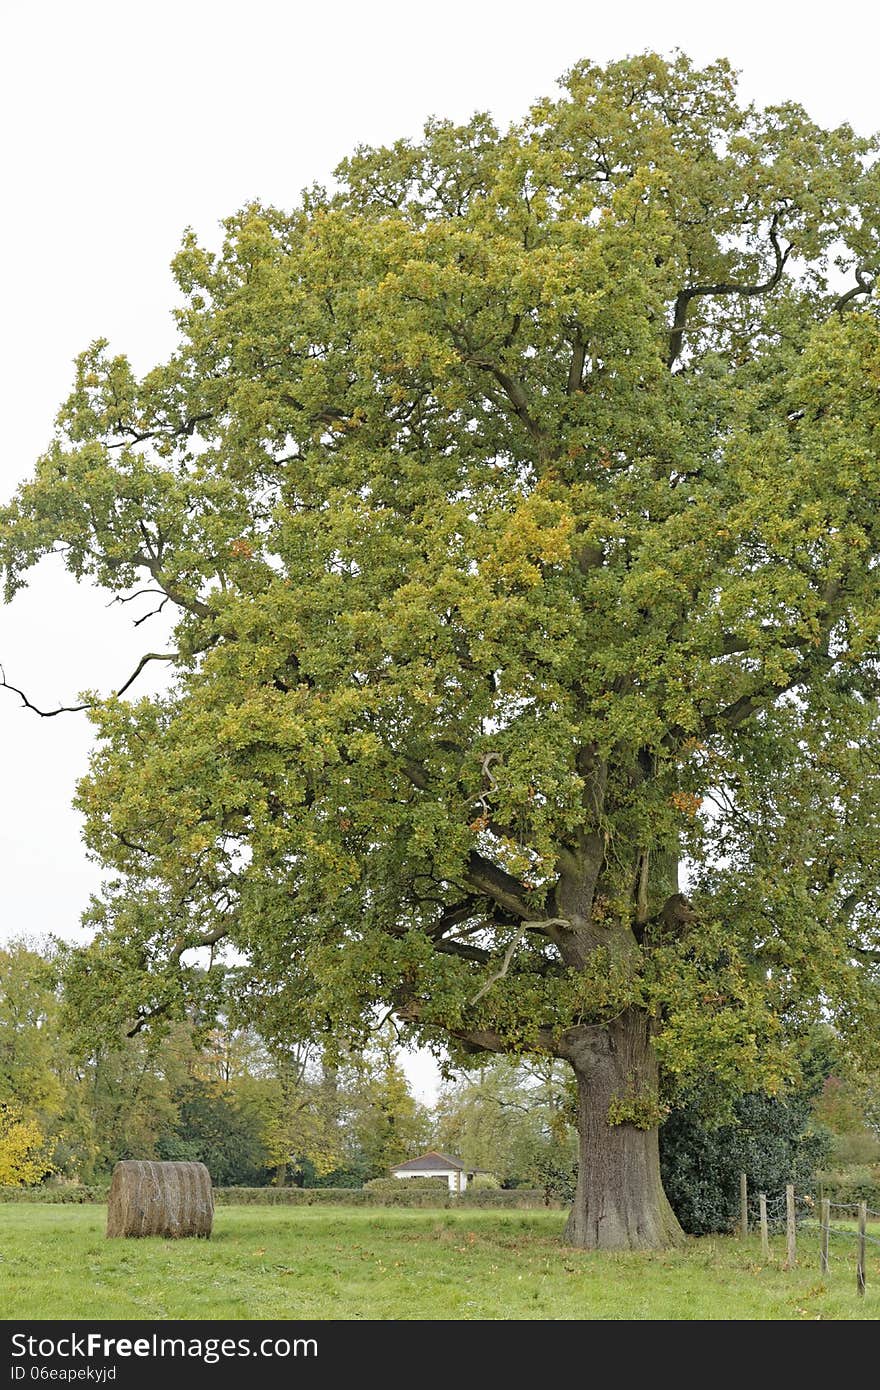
(860, 1264)
(790, 1228)
(743, 1205)
(765, 1234)
(823, 1234)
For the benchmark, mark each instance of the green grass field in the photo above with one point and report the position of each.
(276, 1262)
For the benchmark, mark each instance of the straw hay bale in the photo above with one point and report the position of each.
(160, 1199)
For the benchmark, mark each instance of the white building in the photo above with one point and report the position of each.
(434, 1165)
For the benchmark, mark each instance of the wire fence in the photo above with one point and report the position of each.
(796, 1214)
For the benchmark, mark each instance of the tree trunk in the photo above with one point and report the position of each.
(619, 1202)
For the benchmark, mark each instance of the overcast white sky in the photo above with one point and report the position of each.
(123, 124)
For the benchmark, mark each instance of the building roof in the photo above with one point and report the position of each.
(431, 1162)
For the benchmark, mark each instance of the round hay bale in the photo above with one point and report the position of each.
(160, 1199)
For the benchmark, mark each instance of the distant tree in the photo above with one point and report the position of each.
(514, 1119)
(129, 1103)
(383, 1122)
(30, 1032)
(24, 1149)
(296, 1116)
(847, 1107)
(212, 1129)
(228, 1054)
(39, 1075)
(870, 1092)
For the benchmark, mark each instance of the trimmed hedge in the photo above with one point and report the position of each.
(393, 1185)
(71, 1195)
(293, 1197)
(516, 1198)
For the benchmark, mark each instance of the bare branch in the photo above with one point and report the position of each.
(89, 704)
(43, 713)
(154, 612)
(150, 656)
(505, 965)
(508, 954)
(490, 758)
(129, 598)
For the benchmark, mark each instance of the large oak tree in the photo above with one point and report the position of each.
(519, 502)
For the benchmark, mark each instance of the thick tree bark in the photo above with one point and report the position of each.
(619, 1202)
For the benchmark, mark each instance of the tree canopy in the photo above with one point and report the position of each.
(517, 500)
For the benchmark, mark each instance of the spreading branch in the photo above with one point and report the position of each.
(497, 884)
(190, 604)
(723, 287)
(732, 715)
(451, 946)
(185, 941)
(182, 431)
(865, 282)
(478, 1039)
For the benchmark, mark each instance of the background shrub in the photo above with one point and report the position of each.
(857, 1184)
(770, 1141)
